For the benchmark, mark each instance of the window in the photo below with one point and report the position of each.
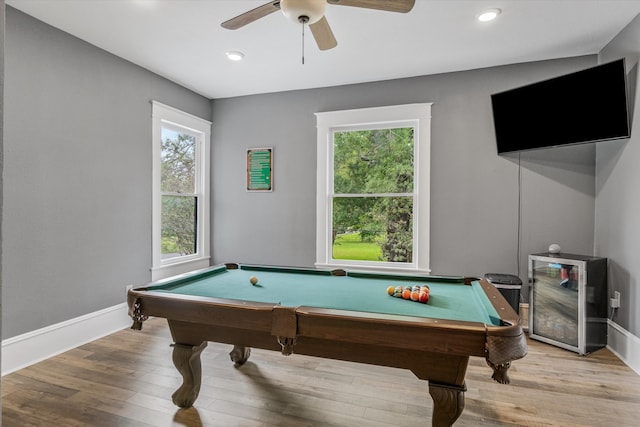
(373, 188)
(180, 235)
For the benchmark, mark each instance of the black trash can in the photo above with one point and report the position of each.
(509, 286)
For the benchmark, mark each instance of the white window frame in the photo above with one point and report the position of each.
(416, 115)
(164, 115)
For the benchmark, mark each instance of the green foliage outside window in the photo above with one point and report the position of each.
(178, 225)
(373, 186)
(179, 202)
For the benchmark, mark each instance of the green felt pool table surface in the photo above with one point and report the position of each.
(450, 298)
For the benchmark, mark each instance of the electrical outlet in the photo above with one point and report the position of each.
(615, 301)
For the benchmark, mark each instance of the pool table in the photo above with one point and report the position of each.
(340, 315)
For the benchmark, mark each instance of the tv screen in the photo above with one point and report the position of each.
(585, 106)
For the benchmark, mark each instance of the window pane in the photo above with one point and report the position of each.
(178, 226)
(178, 162)
(373, 229)
(373, 161)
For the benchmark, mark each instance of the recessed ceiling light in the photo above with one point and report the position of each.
(489, 15)
(234, 55)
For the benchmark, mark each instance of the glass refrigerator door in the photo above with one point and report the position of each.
(555, 298)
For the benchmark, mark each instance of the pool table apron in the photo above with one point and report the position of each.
(433, 349)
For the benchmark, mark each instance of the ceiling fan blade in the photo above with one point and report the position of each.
(252, 15)
(322, 33)
(402, 6)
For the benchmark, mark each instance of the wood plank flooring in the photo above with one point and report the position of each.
(126, 379)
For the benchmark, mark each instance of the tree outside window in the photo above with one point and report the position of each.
(373, 195)
(179, 199)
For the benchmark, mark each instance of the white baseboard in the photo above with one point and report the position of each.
(23, 350)
(624, 344)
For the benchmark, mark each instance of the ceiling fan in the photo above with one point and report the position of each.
(311, 12)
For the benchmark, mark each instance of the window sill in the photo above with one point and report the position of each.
(178, 267)
(374, 268)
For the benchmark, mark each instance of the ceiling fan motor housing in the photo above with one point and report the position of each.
(297, 10)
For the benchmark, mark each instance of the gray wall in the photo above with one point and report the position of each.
(618, 191)
(474, 199)
(77, 177)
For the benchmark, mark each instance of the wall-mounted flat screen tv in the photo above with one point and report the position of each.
(585, 106)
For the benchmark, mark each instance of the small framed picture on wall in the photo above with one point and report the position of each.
(260, 169)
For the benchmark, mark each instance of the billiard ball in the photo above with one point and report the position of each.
(253, 280)
(423, 297)
(397, 292)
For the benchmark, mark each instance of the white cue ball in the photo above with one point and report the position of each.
(253, 280)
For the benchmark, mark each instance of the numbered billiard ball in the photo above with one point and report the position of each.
(398, 292)
(423, 297)
(253, 280)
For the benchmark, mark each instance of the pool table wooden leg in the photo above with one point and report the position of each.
(186, 359)
(240, 354)
(448, 403)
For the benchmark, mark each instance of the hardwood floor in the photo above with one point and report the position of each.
(126, 379)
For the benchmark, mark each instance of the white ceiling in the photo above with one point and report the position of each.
(182, 39)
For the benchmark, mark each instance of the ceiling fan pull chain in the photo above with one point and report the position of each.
(303, 19)
(303, 43)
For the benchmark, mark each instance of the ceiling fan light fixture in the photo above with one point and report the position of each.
(235, 55)
(489, 15)
(303, 11)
